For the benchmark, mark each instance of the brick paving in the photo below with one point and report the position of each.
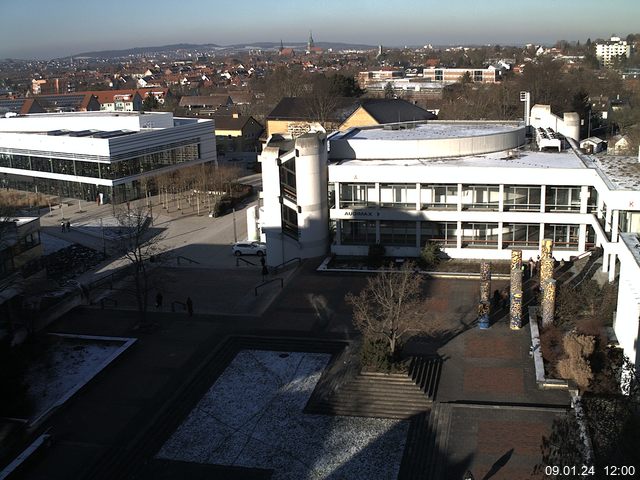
(497, 380)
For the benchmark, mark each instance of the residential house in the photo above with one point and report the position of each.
(593, 145)
(69, 102)
(237, 138)
(378, 111)
(620, 145)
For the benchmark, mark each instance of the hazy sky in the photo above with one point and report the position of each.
(55, 28)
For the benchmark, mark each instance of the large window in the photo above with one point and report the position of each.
(565, 199)
(357, 195)
(398, 195)
(41, 164)
(290, 221)
(480, 197)
(288, 179)
(479, 234)
(439, 197)
(521, 235)
(521, 197)
(357, 232)
(565, 237)
(87, 169)
(398, 233)
(443, 233)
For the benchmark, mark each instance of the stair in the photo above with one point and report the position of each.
(375, 395)
(425, 454)
(425, 373)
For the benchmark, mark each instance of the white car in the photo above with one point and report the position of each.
(249, 248)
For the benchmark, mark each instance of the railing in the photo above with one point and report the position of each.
(283, 264)
(255, 290)
(240, 259)
(108, 279)
(179, 257)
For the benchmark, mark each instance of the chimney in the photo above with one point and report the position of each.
(235, 115)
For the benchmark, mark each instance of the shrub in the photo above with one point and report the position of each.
(430, 255)
(375, 355)
(576, 366)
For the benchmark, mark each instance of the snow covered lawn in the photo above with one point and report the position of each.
(67, 364)
(252, 417)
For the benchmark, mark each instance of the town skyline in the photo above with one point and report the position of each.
(419, 23)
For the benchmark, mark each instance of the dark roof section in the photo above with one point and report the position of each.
(302, 108)
(20, 106)
(229, 122)
(395, 110)
(206, 101)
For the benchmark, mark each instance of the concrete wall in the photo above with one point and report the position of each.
(627, 322)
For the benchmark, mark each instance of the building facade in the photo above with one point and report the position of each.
(612, 49)
(101, 155)
(476, 188)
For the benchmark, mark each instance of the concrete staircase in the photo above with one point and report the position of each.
(425, 454)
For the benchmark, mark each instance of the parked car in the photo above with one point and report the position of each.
(249, 248)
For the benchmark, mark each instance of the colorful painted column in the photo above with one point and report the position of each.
(515, 309)
(546, 271)
(548, 302)
(547, 248)
(485, 282)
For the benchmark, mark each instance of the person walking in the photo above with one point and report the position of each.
(68, 226)
(532, 267)
(159, 300)
(62, 225)
(265, 272)
(189, 306)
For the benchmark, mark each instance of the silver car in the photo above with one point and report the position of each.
(249, 248)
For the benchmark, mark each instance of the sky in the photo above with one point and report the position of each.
(47, 29)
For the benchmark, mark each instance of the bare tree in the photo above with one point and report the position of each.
(139, 246)
(390, 306)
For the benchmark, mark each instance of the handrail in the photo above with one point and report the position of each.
(187, 259)
(255, 290)
(298, 259)
(240, 259)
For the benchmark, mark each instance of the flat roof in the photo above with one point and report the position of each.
(434, 129)
(523, 159)
(622, 171)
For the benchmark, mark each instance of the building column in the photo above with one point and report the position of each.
(543, 199)
(418, 237)
(501, 197)
(582, 238)
(338, 239)
(615, 223)
(418, 199)
(607, 220)
(378, 231)
(459, 208)
(515, 304)
(612, 267)
(500, 227)
(459, 234)
(377, 194)
(584, 198)
(541, 238)
(336, 194)
(600, 208)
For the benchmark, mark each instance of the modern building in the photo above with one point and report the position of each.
(476, 188)
(612, 49)
(237, 138)
(100, 155)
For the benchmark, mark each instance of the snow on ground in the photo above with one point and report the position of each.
(252, 417)
(52, 244)
(62, 367)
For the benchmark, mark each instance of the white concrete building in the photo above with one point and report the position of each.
(608, 51)
(83, 155)
(474, 187)
(569, 125)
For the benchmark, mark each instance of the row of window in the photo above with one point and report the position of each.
(478, 197)
(404, 233)
(110, 171)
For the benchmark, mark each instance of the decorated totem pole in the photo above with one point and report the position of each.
(515, 307)
(485, 292)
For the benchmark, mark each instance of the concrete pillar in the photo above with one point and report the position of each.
(582, 238)
(252, 226)
(612, 267)
(459, 208)
(605, 260)
(501, 197)
(548, 302)
(543, 198)
(584, 198)
(607, 220)
(515, 309)
(615, 224)
(547, 248)
(500, 235)
(459, 234)
(546, 271)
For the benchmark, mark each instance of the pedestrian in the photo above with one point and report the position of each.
(159, 300)
(505, 299)
(496, 298)
(68, 226)
(189, 306)
(62, 225)
(262, 261)
(532, 267)
(265, 272)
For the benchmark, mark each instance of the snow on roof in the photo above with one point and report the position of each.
(429, 130)
(623, 171)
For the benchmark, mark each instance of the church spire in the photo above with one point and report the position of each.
(310, 44)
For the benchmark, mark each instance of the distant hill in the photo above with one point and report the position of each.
(212, 46)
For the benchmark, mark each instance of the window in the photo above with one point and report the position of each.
(521, 198)
(479, 234)
(521, 235)
(398, 196)
(41, 164)
(289, 222)
(357, 195)
(565, 237)
(480, 197)
(439, 197)
(398, 233)
(288, 180)
(331, 195)
(444, 233)
(566, 199)
(439, 76)
(357, 232)
(477, 75)
(63, 166)
(87, 169)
